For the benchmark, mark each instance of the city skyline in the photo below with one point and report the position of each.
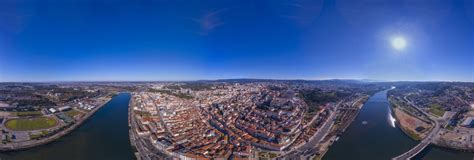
(176, 41)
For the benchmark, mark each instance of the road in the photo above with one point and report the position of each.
(425, 142)
(308, 149)
(320, 134)
(146, 150)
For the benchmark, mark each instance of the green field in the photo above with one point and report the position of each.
(272, 155)
(28, 113)
(267, 155)
(437, 110)
(41, 134)
(412, 134)
(27, 124)
(72, 113)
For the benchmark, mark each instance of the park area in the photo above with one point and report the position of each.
(28, 124)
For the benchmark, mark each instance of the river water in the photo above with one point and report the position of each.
(380, 139)
(103, 136)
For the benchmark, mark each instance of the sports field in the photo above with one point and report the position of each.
(27, 124)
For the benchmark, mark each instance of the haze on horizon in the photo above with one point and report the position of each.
(90, 40)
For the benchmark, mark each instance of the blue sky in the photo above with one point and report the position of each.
(79, 40)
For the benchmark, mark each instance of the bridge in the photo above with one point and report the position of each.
(425, 142)
(418, 148)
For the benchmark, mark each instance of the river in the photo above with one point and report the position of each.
(380, 139)
(105, 136)
(102, 136)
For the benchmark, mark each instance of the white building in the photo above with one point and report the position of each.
(468, 122)
(52, 110)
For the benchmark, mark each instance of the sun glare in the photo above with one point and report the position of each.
(398, 43)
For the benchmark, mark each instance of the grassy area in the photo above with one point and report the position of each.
(72, 113)
(37, 136)
(412, 134)
(272, 155)
(26, 124)
(262, 155)
(449, 127)
(437, 110)
(267, 155)
(28, 113)
(317, 157)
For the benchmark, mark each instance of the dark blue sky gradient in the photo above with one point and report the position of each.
(76, 40)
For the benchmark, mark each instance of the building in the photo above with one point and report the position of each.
(468, 122)
(52, 110)
(65, 108)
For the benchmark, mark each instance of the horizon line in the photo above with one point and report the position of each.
(196, 80)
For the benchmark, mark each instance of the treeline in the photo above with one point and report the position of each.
(34, 102)
(316, 97)
(69, 94)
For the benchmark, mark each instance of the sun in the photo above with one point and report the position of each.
(398, 43)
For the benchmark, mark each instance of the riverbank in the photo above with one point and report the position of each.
(103, 136)
(336, 131)
(409, 124)
(131, 135)
(15, 146)
(367, 136)
(441, 142)
(406, 121)
(414, 135)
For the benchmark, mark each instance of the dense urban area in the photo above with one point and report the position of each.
(243, 119)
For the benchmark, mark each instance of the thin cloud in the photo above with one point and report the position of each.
(210, 21)
(302, 13)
